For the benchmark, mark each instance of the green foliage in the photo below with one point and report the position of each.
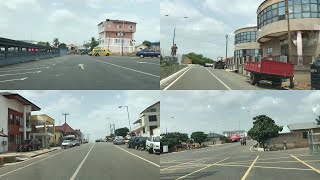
(56, 42)
(174, 138)
(199, 137)
(46, 44)
(86, 45)
(122, 132)
(263, 129)
(147, 43)
(93, 43)
(199, 59)
(318, 120)
(62, 46)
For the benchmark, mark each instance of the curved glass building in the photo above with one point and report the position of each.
(246, 42)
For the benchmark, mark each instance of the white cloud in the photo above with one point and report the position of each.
(61, 15)
(15, 5)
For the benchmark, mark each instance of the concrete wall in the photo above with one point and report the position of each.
(251, 45)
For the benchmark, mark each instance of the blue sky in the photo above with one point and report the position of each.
(75, 21)
(207, 24)
(219, 111)
(90, 110)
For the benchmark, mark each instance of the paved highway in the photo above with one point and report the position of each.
(75, 72)
(233, 161)
(89, 161)
(208, 78)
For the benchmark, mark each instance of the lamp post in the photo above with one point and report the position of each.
(226, 46)
(175, 25)
(128, 115)
(166, 124)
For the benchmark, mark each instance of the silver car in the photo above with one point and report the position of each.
(66, 144)
(118, 140)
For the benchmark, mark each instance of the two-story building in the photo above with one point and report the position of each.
(117, 36)
(149, 122)
(15, 112)
(42, 128)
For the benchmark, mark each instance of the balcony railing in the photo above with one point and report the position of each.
(27, 129)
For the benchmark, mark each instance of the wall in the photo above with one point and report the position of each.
(145, 119)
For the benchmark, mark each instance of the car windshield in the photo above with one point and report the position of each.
(156, 139)
(66, 141)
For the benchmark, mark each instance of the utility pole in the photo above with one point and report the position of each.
(114, 130)
(289, 31)
(110, 129)
(65, 121)
(226, 46)
(122, 35)
(174, 35)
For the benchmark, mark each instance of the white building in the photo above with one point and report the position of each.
(15, 112)
(149, 122)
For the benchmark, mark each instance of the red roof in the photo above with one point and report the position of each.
(64, 127)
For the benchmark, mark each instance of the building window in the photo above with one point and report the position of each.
(269, 51)
(119, 26)
(153, 118)
(305, 135)
(18, 120)
(118, 41)
(143, 130)
(246, 37)
(130, 27)
(11, 138)
(152, 110)
(11, 119)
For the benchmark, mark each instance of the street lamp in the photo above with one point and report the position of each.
(174, 31)
(128, 115)
(167, 123)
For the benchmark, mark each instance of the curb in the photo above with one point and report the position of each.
(42, 153)
(173, 76)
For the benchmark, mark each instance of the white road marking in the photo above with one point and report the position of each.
(24, 69)
(176, 79)
(81, 65)
(139, 157)
(9, 80)
(141, 62)
(219, 80)
(10, 172)
(80, 165)
(35, 72)
(127, 68)
(202, 168)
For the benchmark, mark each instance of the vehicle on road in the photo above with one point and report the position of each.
(315, 75)
(29, 145)
(99, 140)
(100, 52)
(148, 53)
(153, 144)
(66, 144)
(235, 138)
(270, 70)
(85, 51)
(208, 65)
(220, 64)
(118, 140)
(130, 143)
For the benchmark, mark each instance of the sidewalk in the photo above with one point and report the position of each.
(22, 156)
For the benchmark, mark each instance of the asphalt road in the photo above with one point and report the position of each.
(208, 78)
(233, 161)
(74, 72)
(89, 161)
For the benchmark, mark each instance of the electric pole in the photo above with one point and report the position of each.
(114, 130)
(65, 121)
(226, 46)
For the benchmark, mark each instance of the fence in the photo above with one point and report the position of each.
(12, 52)
(314, 142)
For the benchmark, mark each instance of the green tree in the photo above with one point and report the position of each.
(62, 46)
(263, 129)
(199, 137)
(86, 45)
(147, 43)
(318, 120)
(93, 43)
(198, 58)
(122, 132)
(56, 42)
(40, 43)
(174, 138)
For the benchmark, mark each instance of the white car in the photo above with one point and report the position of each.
(153, 144)
(66, 144)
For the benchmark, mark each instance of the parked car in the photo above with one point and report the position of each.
(148, 53)
(66, 144)
(76, 142)
(140, 142)
(85, 51)
(118, 140)
(130, 143)
(29, 145)
(153, 144)
(315, 75)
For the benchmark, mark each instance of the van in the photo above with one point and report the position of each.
(100, 52)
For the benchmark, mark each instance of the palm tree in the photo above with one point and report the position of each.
(56, 42)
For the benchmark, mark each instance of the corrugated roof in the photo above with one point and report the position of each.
(61, 128)
(300, 126)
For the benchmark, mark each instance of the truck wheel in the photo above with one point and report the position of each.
(276, 83)
(291, 83)
(150, 150)
(253, 79)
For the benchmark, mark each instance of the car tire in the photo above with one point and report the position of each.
(158, 56)
(29, 149)
(108, 54)
(150, 150)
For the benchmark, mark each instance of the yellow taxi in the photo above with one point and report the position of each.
(100, 52)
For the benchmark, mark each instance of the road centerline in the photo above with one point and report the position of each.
(248, 171)
(219, 80)
(311, 167)
(157, 165)
(80, 165)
